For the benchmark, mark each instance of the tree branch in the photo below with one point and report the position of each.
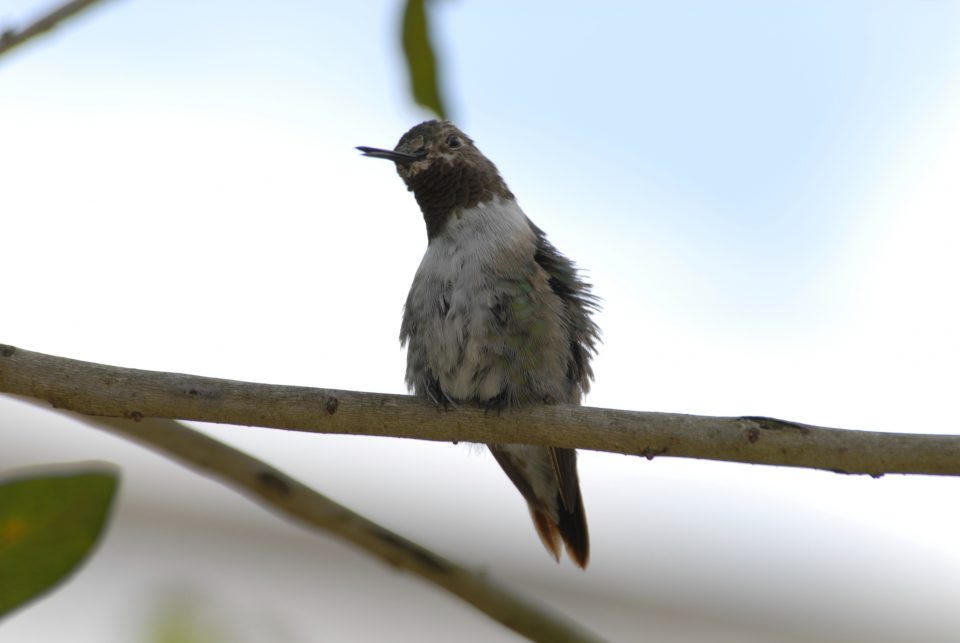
(110, 391)
(282, 494)
(11, 38)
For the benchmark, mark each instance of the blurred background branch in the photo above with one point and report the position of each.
(282, 494)
(11, 38)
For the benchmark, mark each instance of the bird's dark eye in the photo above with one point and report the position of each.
(454, 142)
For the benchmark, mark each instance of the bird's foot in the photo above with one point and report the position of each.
(440, 399)
(496, 404)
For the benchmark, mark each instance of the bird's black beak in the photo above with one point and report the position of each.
(390, 155)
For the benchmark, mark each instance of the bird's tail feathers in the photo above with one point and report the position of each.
(547, 479)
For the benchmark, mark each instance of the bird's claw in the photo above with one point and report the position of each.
(496, 404)
(440, 399)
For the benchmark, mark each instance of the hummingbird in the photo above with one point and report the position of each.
(496, 317)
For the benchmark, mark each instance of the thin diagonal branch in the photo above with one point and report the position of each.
(109, 391)
(11, 38)
(282, 494)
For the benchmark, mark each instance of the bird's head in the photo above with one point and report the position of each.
(444, 170)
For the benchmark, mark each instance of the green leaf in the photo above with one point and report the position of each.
(421, 63)
(49, 522)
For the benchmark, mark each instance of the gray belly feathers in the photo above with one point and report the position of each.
(482, 320)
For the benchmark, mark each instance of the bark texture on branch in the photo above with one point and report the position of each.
(97, 389)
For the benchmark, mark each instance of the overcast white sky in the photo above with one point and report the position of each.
(764, 194)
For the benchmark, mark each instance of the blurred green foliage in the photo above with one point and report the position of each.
(421, 61)
(50, 520)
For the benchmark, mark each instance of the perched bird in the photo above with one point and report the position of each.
(496, 316)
